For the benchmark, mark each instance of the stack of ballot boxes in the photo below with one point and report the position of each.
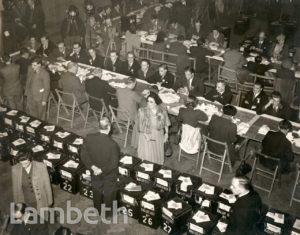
(73, 145)
(46, 133)
(53, 159)
(207, 196)
(186, 185)
(145, 170)
(225, 201)
(126, 165)
(69, 173)
(130, 197)
(21, 123)
(11, 118)
(17, 147)
(38, 152)
(164, 179)
(32, 129)
(59, 140)
(175, 213)
(202, 222)
(85, 183)
(275, 222)
(150, 208)
(295, 230)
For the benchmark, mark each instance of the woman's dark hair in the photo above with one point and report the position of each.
(156, 98)
(258, 59)
(190, 69)
(285, 125)
(191, 101)
(229, 110)
(160, 37)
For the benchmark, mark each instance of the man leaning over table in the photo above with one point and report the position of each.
(275, 106)
(221, 94)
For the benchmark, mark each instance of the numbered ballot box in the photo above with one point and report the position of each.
(225, 200)
(186, 185)
(21, 123)
(150, 208)
(33, 127)
(85, 183)
(11, 117)
(145, 170)
(59, 139)
(276, 222)
(130, 196)
(69, 173)
(73, 144)
(221, 227)
(207, 196)
(165, 178)
(46, 132)
(175, 213)
(53, 159)
(127, 164)
(295, 230)
(202, 222)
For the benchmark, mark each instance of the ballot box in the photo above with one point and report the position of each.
(69, 173)
(127, 164)
(207, 196)
(85, 183)
(37, 152)
(186, 185)
(11, 117)
(59, 139)
(53, 159)
(33, 127)
(131, 195)
(145, 170)
(165, 178)
(73, 144)
(17, 146)
(275, 222)
(150, 208)
(225, 201)
(295, 229)
(202, 222)
(175, 213)
(3, 110)
(21, 122)
(221, 227)
(4, 143)
(46, 132)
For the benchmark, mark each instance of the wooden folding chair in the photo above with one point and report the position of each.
(68, 106)
(224, 158)
(98, 114)
(51, 101)
(259, 169)
(296, 185)
(123, 124)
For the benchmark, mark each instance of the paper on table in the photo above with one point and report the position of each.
(224, 207)
(290, 137)
(49, 128)
(53, 156)
(242, 128)
(222, 226)
(166, 173)
(18, 142)
(201, 217)
(147, 205)
(207, 189)
(24, 119)
(71, 164)
(12, 112)
(62, 134)
(273, 228)
(78, 141)
(174, 205)
(186, 181)
(250, 58)
(128, 199)
(205, 203)
(147, 166)
(263, 130)
(151, 196)
(35, 123)
(127, 160)
(37, 148)
(297, 224)
(229, 197)
(279, 218)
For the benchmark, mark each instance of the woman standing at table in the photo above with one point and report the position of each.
(152, 123)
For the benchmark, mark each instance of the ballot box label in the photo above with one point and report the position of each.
(67, 186)
(167, 212)
(123, 171)
(87, 191)
(143, 175)
(270, 228)
(57, 144)
(195, 228)
(166, 227)
(19, 127)
(45, 138)
(128, 199)
(30, 130)
(148, 205)
(8, 121)
(73, 149)
(66, 174)
(162, 182)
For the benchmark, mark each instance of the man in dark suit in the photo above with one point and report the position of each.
(70, 83)
(224, 130)
(100, 154)
(100, 89)
(275, 106)
(275, 144)
(78, 55)
(163, 77)
(245, 211)
(37, 89)
(24, 63)
(114, 64)
(94, 59)
(11, 88)
(256, 67)
(200, 54)
(132, 66)
(192, 85)
(46, 47)
(255, 99)
(182, 11)
(177, 47)
(222, 94)
(60, 53)
(146, 71)
(261, 45)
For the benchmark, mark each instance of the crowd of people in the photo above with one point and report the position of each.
(26, 84)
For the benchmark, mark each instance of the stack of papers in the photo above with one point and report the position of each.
(35, 123)
(264, 130)
(166, 173)
(71, 164)
(147, 167)
(222, 226)
(209, 109)
(127, 160)
(174, 205)
(229, 197)
(12, 113)
(37, 148)
(169, 98)
(186, 181)
(242, 128)
(18, 142)
(207, 189)
(151, 196)
(201, 217)
(277, 217)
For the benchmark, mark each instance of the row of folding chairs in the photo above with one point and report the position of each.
(67, 106)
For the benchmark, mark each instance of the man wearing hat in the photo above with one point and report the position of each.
(221, 128)
(31, 184)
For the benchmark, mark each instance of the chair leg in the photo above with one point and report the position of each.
(126, 135)
(87, 117)
(273, 181)
(253, 169)
(72, 117)
(202, 160)
(58, 112)
(221, 170)
(294, 189)
(179, 153)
